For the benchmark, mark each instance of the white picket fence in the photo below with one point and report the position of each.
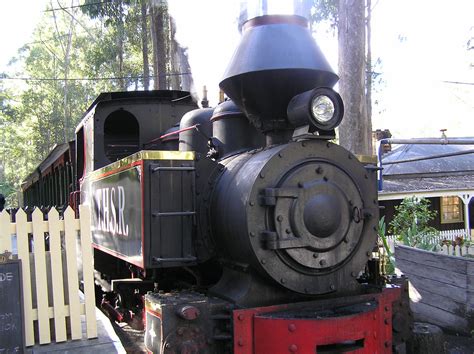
(450, 242)
(50, 278)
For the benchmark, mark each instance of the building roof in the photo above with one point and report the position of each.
(430, 183)
(453, 173)
(462, 159)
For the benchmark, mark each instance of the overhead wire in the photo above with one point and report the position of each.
(87, 32)
(79, 6)
(4, 77)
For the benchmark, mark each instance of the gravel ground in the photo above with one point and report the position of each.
(132, 339)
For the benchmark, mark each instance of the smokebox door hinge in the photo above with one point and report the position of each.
(270, 195)
(272, 242)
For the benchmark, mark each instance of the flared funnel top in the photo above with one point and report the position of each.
(276, 59)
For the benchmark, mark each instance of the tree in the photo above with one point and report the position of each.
(144, 35)
(355, 131)
(349, 17)
(170, 61)
(76, 53)
(122, 21)
(16, 148)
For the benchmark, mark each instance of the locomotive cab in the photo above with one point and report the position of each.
(121, 164)
(118, 124)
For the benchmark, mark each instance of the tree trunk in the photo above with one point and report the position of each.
(146, 67)
(120, 45)
(355, 130)
(427, 339)
(175, 65)
(159, 40)
(369, 72)
(121, 79)
(67, 59)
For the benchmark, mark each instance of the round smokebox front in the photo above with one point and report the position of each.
(298, 215)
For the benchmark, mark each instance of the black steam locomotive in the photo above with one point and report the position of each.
(242, 228)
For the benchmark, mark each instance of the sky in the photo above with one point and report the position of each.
(421, 44)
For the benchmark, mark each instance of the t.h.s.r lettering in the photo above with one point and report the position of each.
(110, 206)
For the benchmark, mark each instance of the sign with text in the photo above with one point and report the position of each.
(11, 308)
(117, 213)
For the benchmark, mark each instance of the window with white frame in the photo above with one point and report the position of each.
(451, 210)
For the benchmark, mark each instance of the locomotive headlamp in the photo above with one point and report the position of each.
(322, 108)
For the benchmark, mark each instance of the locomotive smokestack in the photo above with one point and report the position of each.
(276, 60)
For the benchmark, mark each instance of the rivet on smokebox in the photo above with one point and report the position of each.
(188, 312)
(293, 348)
(240, 317)
(291, 327)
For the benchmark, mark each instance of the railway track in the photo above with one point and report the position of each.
(132, 339)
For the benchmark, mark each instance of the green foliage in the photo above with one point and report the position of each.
(390, 258)
(411, 223)
(325, 10)
(66, 46)
(16, 149)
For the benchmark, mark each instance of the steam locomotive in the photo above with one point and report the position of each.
(242, 228)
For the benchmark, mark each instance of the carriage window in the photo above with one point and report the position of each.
(80, 165)
(121, 135)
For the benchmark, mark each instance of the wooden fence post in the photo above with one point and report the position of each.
(57, 275)
(39, 228)
(88, 271)
(73, 279)
(5, 236)
(24, 255)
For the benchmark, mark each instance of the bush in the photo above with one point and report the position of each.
(410, 223)
(388, 259)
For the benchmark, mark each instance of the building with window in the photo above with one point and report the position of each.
(444, 174)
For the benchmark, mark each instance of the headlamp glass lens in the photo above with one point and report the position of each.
(322, 108)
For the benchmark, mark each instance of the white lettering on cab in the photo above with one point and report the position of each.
(110, 206)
